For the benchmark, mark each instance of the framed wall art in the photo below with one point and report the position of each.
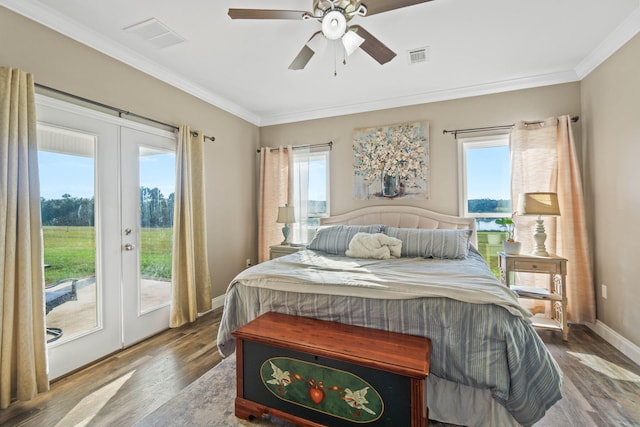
(391, 161)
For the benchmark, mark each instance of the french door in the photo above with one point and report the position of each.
(107, 208)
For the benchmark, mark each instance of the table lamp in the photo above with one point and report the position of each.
(286, 215)
(538, 204)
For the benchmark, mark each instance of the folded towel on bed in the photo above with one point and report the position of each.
(376, 245)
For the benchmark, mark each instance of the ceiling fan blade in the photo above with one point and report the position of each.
(351, 41)
(266, 14)
(317, 42)
(379, 6)
(302, 59)
(307, 52)
(374, 47)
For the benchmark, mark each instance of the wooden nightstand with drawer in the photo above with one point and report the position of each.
(556, 268)
(277, 251)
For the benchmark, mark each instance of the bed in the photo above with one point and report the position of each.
(488, 365)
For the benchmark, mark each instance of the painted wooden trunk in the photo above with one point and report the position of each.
(314, 373)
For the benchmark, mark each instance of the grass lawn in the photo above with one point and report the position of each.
(70, 252)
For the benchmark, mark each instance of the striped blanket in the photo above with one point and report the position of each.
(481, 337)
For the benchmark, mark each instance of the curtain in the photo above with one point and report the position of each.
(299, 193)
(543, 158)
(274, 190)
(191, 290)
(23, 364)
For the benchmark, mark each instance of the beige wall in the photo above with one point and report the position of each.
(61, 63)
(488, 110)
(610, 97)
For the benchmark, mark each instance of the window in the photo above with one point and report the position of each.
(485, 193)
(310, 191)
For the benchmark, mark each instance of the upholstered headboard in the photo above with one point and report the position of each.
(403, 217)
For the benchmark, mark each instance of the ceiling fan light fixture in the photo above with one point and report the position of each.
(351, 41)
(334, 24)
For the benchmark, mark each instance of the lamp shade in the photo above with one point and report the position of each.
(286, 215)
(351, 42)
(538, 204)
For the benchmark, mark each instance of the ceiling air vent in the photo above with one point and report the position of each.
(418, 55)
(155, 32)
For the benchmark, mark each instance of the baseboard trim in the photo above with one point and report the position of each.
(625, 346)
(217, 302)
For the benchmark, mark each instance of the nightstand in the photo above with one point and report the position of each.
(556, 268)
(276, 251)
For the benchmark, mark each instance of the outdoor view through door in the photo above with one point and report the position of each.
(67, 160)
(157, 182)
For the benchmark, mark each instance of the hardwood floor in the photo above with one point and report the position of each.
(601, 386)
(123, 388)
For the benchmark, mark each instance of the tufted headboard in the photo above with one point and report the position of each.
(403, 217)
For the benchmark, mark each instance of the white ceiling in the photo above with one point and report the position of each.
(475, 47)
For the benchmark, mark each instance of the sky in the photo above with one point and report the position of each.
(488, 173)
(317, 180)
(74, 175)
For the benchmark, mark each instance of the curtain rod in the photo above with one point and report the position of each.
(297, 147)
(455, 132)
(117, 110)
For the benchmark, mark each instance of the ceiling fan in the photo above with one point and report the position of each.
(334, 16)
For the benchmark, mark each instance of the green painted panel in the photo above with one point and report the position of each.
(323, 389)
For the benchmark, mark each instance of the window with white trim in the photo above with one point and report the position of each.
(310, 191)
(485, 182)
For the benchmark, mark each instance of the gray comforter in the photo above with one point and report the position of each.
(480, 335)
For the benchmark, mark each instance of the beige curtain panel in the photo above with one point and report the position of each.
(23, 365)
(191, 291)
(274, 190)
(543, 158)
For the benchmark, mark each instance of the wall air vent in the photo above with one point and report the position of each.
(155, 32)
(418, 55)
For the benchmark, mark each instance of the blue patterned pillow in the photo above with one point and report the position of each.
(432, 243)
(335, 240)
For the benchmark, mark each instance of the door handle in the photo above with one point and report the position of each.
(129, 247)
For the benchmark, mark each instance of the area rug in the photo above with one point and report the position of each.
(209, 402)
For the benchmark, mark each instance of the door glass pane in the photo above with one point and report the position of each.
(157, 184)
(67, 177)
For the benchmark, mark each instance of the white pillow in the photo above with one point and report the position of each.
(376, 246)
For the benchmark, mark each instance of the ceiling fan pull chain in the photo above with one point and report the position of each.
(335, 59)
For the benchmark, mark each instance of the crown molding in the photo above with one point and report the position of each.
(614, 41)
(424, 98)
(57, 22)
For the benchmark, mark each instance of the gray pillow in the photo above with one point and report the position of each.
(432, 243)
(335, 240)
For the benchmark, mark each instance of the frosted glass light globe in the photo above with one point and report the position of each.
(334, 24)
